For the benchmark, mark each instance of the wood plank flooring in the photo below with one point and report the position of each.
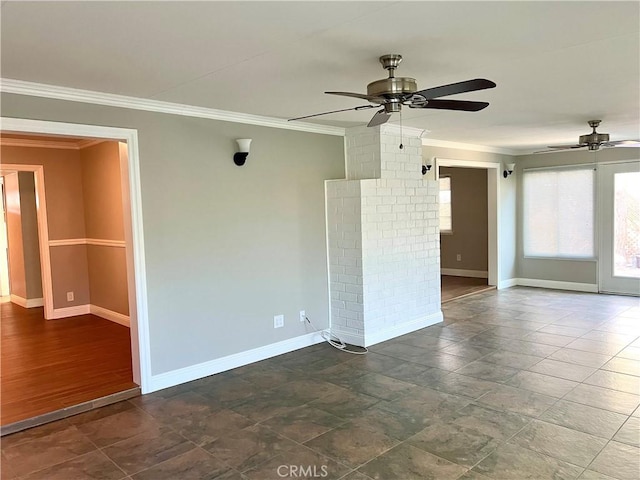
(47, 365)
(456, 287)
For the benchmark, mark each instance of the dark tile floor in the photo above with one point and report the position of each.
(520, 383)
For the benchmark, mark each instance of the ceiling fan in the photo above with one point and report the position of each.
(393, 92)
(594, 140)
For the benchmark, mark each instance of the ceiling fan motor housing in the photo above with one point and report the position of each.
(392, 89)
(392, 86)
(594, 140)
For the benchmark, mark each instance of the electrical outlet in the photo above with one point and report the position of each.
(303, 316)
(459, 257)
(278, 321)
(70, 296)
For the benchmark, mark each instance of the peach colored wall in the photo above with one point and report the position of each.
(63, 185)
(108, 278)
(84, 200)
(65, 216)
(17, 277)
(69, 268)
(30, 241)
(102, 193)
(102, 197)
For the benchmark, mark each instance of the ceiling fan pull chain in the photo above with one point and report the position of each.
(401, 146)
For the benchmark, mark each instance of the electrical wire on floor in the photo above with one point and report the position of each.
(336, 342)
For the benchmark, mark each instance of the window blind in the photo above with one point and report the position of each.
(558, 215)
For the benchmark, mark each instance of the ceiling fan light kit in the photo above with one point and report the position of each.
(393, 92)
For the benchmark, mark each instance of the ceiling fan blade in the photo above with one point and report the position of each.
(464, 105)
(379, 118)
(358, 95)
(622, 143)
(565, 147)
(361, 107)
(453, 88)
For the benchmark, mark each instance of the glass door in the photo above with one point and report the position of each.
(619, 198)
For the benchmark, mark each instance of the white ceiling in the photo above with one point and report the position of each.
(557, 64)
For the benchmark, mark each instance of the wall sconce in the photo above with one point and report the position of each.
(425, 169)
(243, 151)
(510, 168)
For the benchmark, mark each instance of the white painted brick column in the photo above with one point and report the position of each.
(382, 228)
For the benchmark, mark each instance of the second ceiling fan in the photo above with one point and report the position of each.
(393, 92)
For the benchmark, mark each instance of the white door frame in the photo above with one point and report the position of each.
(494, 171)
(604, 231)
(5, 287)
(134, 238)
(43, 231)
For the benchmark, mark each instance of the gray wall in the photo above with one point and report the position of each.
(578, 271)
(506, 198)
(226, 247)
(470, 223)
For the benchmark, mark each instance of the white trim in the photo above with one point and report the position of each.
(556, 285)
(67, 242)
(450, 162)
(110, 315)
(87, 241)
(70, 312)
(511, 282)
(348, 337)
(43, 230)
(136, 267)
(458, 272)
(89, 142)
(432, 142)
(20, 87)
(48, 143)
(87, 309)
(26, 302)
(402, 329)
(394, 129)
(37, 143)
(201, 370)
(387, 333)
(106, 243)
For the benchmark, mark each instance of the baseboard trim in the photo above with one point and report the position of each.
(110, 315)
(348, 337)
(402, 329)
(26, 302)
(511, 282)
(201, 370)
(87, 309)
(556, 285)
(65, 312)
(457, 272)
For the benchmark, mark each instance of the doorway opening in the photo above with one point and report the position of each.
(103, 263)
(468, 227)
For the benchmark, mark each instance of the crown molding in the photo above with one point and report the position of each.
(41, 143)
(20, 87)
(37, 143)
(395, 129)
(431, 142)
